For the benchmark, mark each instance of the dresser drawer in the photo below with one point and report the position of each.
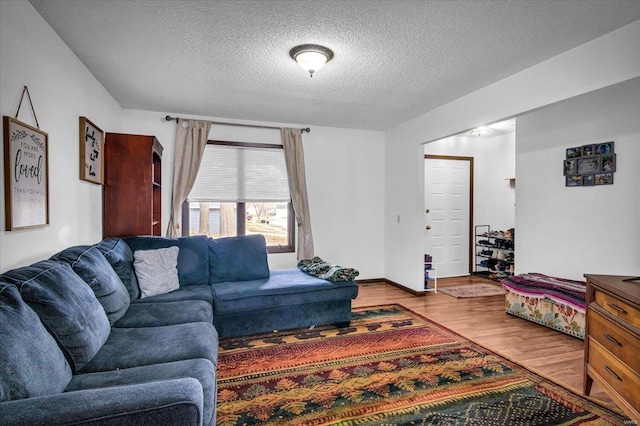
(625, 382)
(619, 308)
(622, 344)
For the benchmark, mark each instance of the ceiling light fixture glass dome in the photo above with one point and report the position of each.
(479, 131)
(311, 57)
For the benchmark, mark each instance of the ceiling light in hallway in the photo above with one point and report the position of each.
(482, 130)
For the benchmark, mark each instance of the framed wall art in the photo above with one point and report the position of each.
(574, 152)
(588, 180)
(91, 152)
(575, 180)
(609, 163)
(570, 167)
(604, 148)
(604, 179)
(589, 165)
(588, 150)
(26, 175)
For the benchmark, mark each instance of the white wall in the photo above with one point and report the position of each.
(570, 231)
(345, 181)
(345, 168)
(353, 175)
(610, 59)
(62, 90)
(494, 161)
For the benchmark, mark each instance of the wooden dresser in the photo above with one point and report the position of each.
(612, 340)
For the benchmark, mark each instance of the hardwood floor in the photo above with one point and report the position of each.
(483, 320)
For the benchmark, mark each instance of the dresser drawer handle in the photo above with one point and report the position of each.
(617, 308)
(612, 373)
(611, 339)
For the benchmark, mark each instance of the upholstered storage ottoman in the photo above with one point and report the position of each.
(556, 303)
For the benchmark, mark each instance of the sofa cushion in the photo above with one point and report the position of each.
(134, 347)
(91, 265)
(285, 287)
(193, 259)
(241, 258)
(201, 369)
(166, 313)
(120, 256)
(169, 402)
(231, 324)
(32, 363)
(186, 293)
(66, 306)
(156, 270)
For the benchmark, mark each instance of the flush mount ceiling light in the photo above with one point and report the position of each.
(311, 57)
(482, 130)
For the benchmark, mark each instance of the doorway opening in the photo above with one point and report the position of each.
(490, 154)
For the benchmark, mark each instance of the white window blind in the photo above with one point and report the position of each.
(241, 174)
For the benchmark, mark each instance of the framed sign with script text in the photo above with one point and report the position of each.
(26, 175)
(91, 155)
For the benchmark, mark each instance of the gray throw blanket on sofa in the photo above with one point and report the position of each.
(321, 269)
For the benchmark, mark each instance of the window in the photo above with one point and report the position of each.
(241, 189)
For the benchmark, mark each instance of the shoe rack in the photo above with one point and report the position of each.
(494, 252)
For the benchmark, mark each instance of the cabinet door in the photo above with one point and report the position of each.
(132, 190)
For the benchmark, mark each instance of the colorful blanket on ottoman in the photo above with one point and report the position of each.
(556, 303)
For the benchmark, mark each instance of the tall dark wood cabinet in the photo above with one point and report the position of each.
(132, 202)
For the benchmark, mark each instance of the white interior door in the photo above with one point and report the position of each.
(447, 200)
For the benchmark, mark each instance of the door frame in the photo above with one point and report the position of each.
(471, 179)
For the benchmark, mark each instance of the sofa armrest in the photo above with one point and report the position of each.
(177, 401)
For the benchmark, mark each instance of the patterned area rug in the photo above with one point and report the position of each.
(472, 290)
(392, 367)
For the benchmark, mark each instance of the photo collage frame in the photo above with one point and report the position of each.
(590, 165)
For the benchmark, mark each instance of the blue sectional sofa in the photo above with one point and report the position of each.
(80, 345)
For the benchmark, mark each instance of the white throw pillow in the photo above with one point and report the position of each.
(156, 271)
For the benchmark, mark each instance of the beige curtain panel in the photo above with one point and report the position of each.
(191, 139)
(294, 158)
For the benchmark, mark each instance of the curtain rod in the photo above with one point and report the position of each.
(304, 129)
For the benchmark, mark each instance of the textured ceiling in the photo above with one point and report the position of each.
(394, 60)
